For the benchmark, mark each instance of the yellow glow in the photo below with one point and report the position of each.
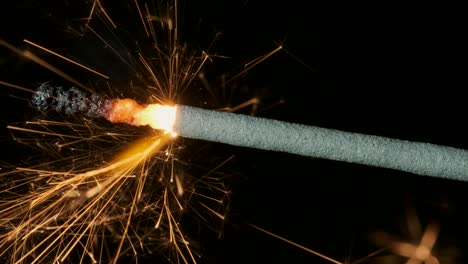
(141, 149)
(158, 117)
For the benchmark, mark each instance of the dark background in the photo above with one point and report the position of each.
(384, 69)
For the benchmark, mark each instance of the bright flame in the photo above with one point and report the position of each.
(157, 116)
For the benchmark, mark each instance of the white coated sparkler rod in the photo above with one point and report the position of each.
(261, 133)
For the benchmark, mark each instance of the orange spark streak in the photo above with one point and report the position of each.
(65, 58)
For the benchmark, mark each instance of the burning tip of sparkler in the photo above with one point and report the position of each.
(160, 117)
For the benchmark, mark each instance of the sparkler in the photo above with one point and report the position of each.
(80, 207)
(266, 134)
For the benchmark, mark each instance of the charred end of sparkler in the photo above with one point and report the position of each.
(76, 102)
(70, 102)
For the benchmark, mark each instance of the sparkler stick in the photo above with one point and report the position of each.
(267, 134)
(261, 133)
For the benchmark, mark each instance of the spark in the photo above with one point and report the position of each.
(65, 58)
(417, 250)
(82, 193)
(419, 253)
(248, 66)
(313, 252)
(29, 55)
(16, 87)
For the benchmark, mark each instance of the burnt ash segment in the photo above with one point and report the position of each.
(71, 102)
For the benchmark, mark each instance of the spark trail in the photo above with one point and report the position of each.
(261, 133)
(81, 205)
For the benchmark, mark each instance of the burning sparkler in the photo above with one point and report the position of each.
(261, 133)
(47, 213)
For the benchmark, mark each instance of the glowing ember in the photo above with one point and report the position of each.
(155, 115)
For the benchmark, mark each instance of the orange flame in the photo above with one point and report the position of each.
(161, 117)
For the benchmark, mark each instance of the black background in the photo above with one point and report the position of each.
(385, 69)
